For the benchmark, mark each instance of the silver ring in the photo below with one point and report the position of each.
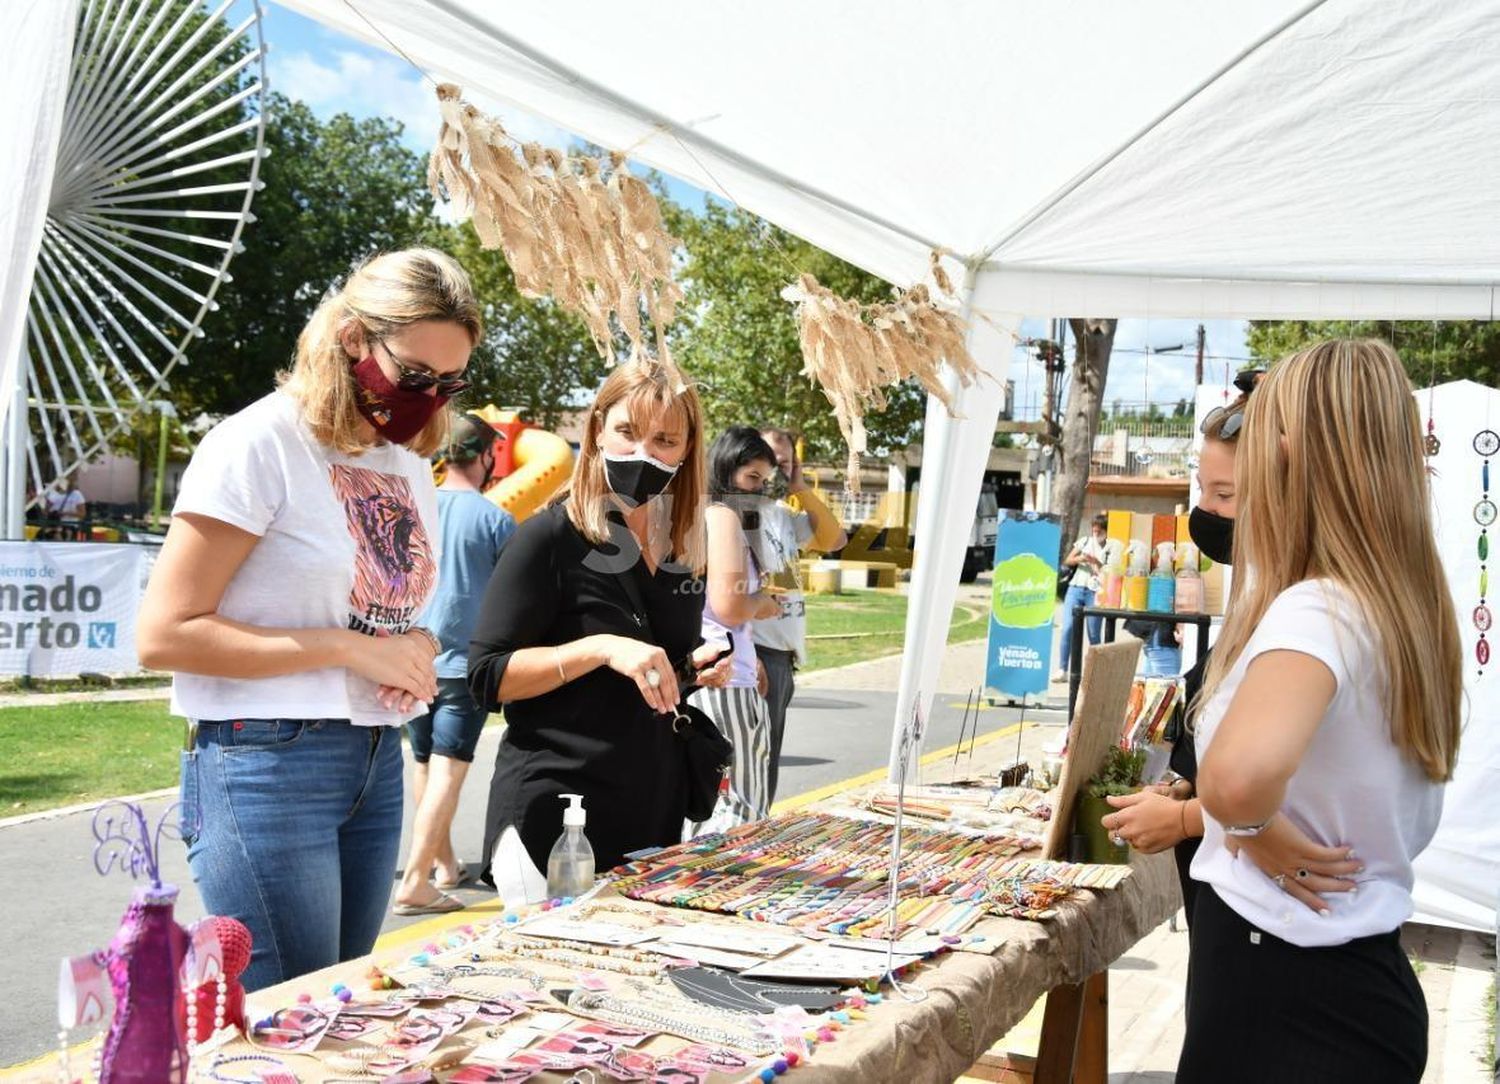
(653, 678)
(1280, 880)
(1303, 874)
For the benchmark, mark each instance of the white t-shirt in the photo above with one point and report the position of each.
(67, 505)
(1352, 788)
(783, 532)
(345, 542)
(1083, 575)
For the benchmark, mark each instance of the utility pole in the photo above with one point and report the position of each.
(1198, 371)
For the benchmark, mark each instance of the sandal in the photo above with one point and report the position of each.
(444, 904)
(448, 886)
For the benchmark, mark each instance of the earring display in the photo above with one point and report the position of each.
(1486, 444)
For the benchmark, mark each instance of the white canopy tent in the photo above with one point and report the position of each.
(1278, 159)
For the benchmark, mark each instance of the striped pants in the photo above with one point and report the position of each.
(741, 716)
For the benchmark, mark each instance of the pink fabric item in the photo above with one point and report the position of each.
(145, 1043)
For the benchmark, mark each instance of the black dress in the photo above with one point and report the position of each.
(595, 735)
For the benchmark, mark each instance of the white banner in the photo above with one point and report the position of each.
(68, 608)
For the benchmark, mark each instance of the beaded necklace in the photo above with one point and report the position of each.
(735, 1031)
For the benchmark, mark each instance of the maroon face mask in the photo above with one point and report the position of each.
(397, 414)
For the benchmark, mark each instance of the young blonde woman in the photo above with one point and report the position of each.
(301, 550)
(1329, 715)
(591, 614)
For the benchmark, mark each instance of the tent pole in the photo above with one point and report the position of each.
(944, 482)
(16, 442)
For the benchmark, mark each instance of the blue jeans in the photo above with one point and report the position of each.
(452, 728)
(1076, 596)
(298, 832)
(1162, 661)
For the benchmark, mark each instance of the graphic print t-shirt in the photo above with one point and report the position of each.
(345, 542)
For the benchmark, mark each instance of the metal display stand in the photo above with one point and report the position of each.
(1111, 616)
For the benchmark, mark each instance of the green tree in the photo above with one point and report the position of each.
(1452, 350)
(336, 191)
(738, 338)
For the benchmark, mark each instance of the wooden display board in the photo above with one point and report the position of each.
(1108, 671)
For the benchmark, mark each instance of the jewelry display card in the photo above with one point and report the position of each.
(825, 962)
(734, 961)
(751, 942)
(594, 933)
(382, 1009)
(480, 1073)
(295, 1031)
(421, 1032)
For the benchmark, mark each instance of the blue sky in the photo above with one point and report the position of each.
(333, 73)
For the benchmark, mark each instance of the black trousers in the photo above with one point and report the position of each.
(781, 668)
(1261, 1009)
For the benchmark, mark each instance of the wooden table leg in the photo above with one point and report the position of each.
(1075, 1034)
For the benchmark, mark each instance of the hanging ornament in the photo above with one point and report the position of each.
(1486, 443)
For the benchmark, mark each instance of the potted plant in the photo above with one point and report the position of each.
(1120, 774)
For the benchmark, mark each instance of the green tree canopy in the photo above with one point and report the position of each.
(738, 338)
(336, 191)
(1432, 352)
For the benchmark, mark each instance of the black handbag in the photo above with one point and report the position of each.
(706, 753)
(709, 756)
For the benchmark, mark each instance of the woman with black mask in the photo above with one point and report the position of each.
(592, 613)
(739, 464)
(1169, 816)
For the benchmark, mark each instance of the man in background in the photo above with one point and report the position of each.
(796, 522)
(474, 530)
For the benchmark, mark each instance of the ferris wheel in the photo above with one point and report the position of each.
(162, 139)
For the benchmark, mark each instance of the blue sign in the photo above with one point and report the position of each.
(1022, 603)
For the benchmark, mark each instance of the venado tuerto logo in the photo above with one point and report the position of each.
(51, 615)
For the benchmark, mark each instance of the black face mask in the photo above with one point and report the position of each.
(637, 477)
(1213, 534)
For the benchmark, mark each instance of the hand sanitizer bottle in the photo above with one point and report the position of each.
(1189, 582)
(570, 866)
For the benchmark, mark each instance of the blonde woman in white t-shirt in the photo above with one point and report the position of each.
(1330, 715)
(302, 547)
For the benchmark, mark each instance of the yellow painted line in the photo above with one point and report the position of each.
(438, 925)
(786, 805)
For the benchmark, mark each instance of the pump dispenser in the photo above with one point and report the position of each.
(1189, 582)
(1161, 592)
(1112, 575)
(1135, 575)
(570, 866)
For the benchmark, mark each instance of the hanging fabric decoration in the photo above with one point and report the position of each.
(590, 237)
(856, 351)
(1486, 443)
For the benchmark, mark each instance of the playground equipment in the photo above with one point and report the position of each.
(531, 464)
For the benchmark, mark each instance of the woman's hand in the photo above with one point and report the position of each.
(400, 665)
(400, 662)
(767, 606)
(1303, 869)
(638, 660)
(1148, 820)
(710, 671)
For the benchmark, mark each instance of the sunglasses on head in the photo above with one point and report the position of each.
(410, 379)
(1231, 423)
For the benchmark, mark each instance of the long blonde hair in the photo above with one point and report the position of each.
(382, 295)
(648, 392)
(1331, 484)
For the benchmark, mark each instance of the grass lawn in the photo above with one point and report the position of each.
(867, 624)
(66, 754)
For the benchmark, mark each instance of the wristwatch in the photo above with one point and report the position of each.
(1247, 830)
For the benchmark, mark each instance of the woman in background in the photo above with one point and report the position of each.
(739, 464)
